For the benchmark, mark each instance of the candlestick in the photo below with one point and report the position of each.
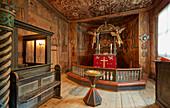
(99, 48)
(111, 48)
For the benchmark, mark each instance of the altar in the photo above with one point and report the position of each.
(106, 38)
(105, 61)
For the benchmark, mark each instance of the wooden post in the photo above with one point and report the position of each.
(57, 89)
(7, 16)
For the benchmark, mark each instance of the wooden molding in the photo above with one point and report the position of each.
(29, 27)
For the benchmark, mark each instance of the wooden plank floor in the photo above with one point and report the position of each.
(73, 95)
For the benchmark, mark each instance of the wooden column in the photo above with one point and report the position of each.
(144, 60)
(6, 28)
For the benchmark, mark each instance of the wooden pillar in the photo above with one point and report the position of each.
(153, 32)
(6, 28)
(144, 54)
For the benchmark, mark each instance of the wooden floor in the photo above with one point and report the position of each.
(73, 94)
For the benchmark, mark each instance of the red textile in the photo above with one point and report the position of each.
(105, 61)
(164, 59)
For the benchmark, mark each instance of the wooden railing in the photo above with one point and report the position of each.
(111, 74)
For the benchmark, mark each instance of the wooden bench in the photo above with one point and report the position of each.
(32, 86)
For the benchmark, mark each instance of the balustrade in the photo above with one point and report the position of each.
(111, 74)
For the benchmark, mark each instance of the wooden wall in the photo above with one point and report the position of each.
(128, 53)
(36, 13)
(81, 44)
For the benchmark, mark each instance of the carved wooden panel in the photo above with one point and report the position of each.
(81, 9)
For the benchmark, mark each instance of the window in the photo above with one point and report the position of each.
(164, 33)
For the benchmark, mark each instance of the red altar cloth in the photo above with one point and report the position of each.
(104, 61)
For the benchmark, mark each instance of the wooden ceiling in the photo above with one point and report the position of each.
(83, 9)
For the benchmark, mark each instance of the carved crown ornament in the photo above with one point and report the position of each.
(108, 28)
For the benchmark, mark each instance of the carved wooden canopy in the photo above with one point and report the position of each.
(82, 9)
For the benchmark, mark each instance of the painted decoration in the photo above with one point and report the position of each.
(81, 9)
(143, 46)
(144, 53)
(92, 97)
(144, 38)
(105, 61)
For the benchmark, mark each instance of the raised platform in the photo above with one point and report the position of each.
(110, 85)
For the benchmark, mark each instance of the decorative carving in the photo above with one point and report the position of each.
(114, 31)
(81, 9)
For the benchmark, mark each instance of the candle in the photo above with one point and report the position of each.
(111, 48)
(99, 48)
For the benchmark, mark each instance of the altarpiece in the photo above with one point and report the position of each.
(106, 37)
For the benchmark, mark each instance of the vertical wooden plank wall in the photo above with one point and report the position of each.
(73, 41)
(127, 55)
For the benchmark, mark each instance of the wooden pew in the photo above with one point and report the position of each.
(32, 86)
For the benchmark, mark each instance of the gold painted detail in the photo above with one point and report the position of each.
(93, 86)
(104, 62)
(97, 57)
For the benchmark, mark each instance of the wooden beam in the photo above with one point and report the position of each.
(119, 14)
